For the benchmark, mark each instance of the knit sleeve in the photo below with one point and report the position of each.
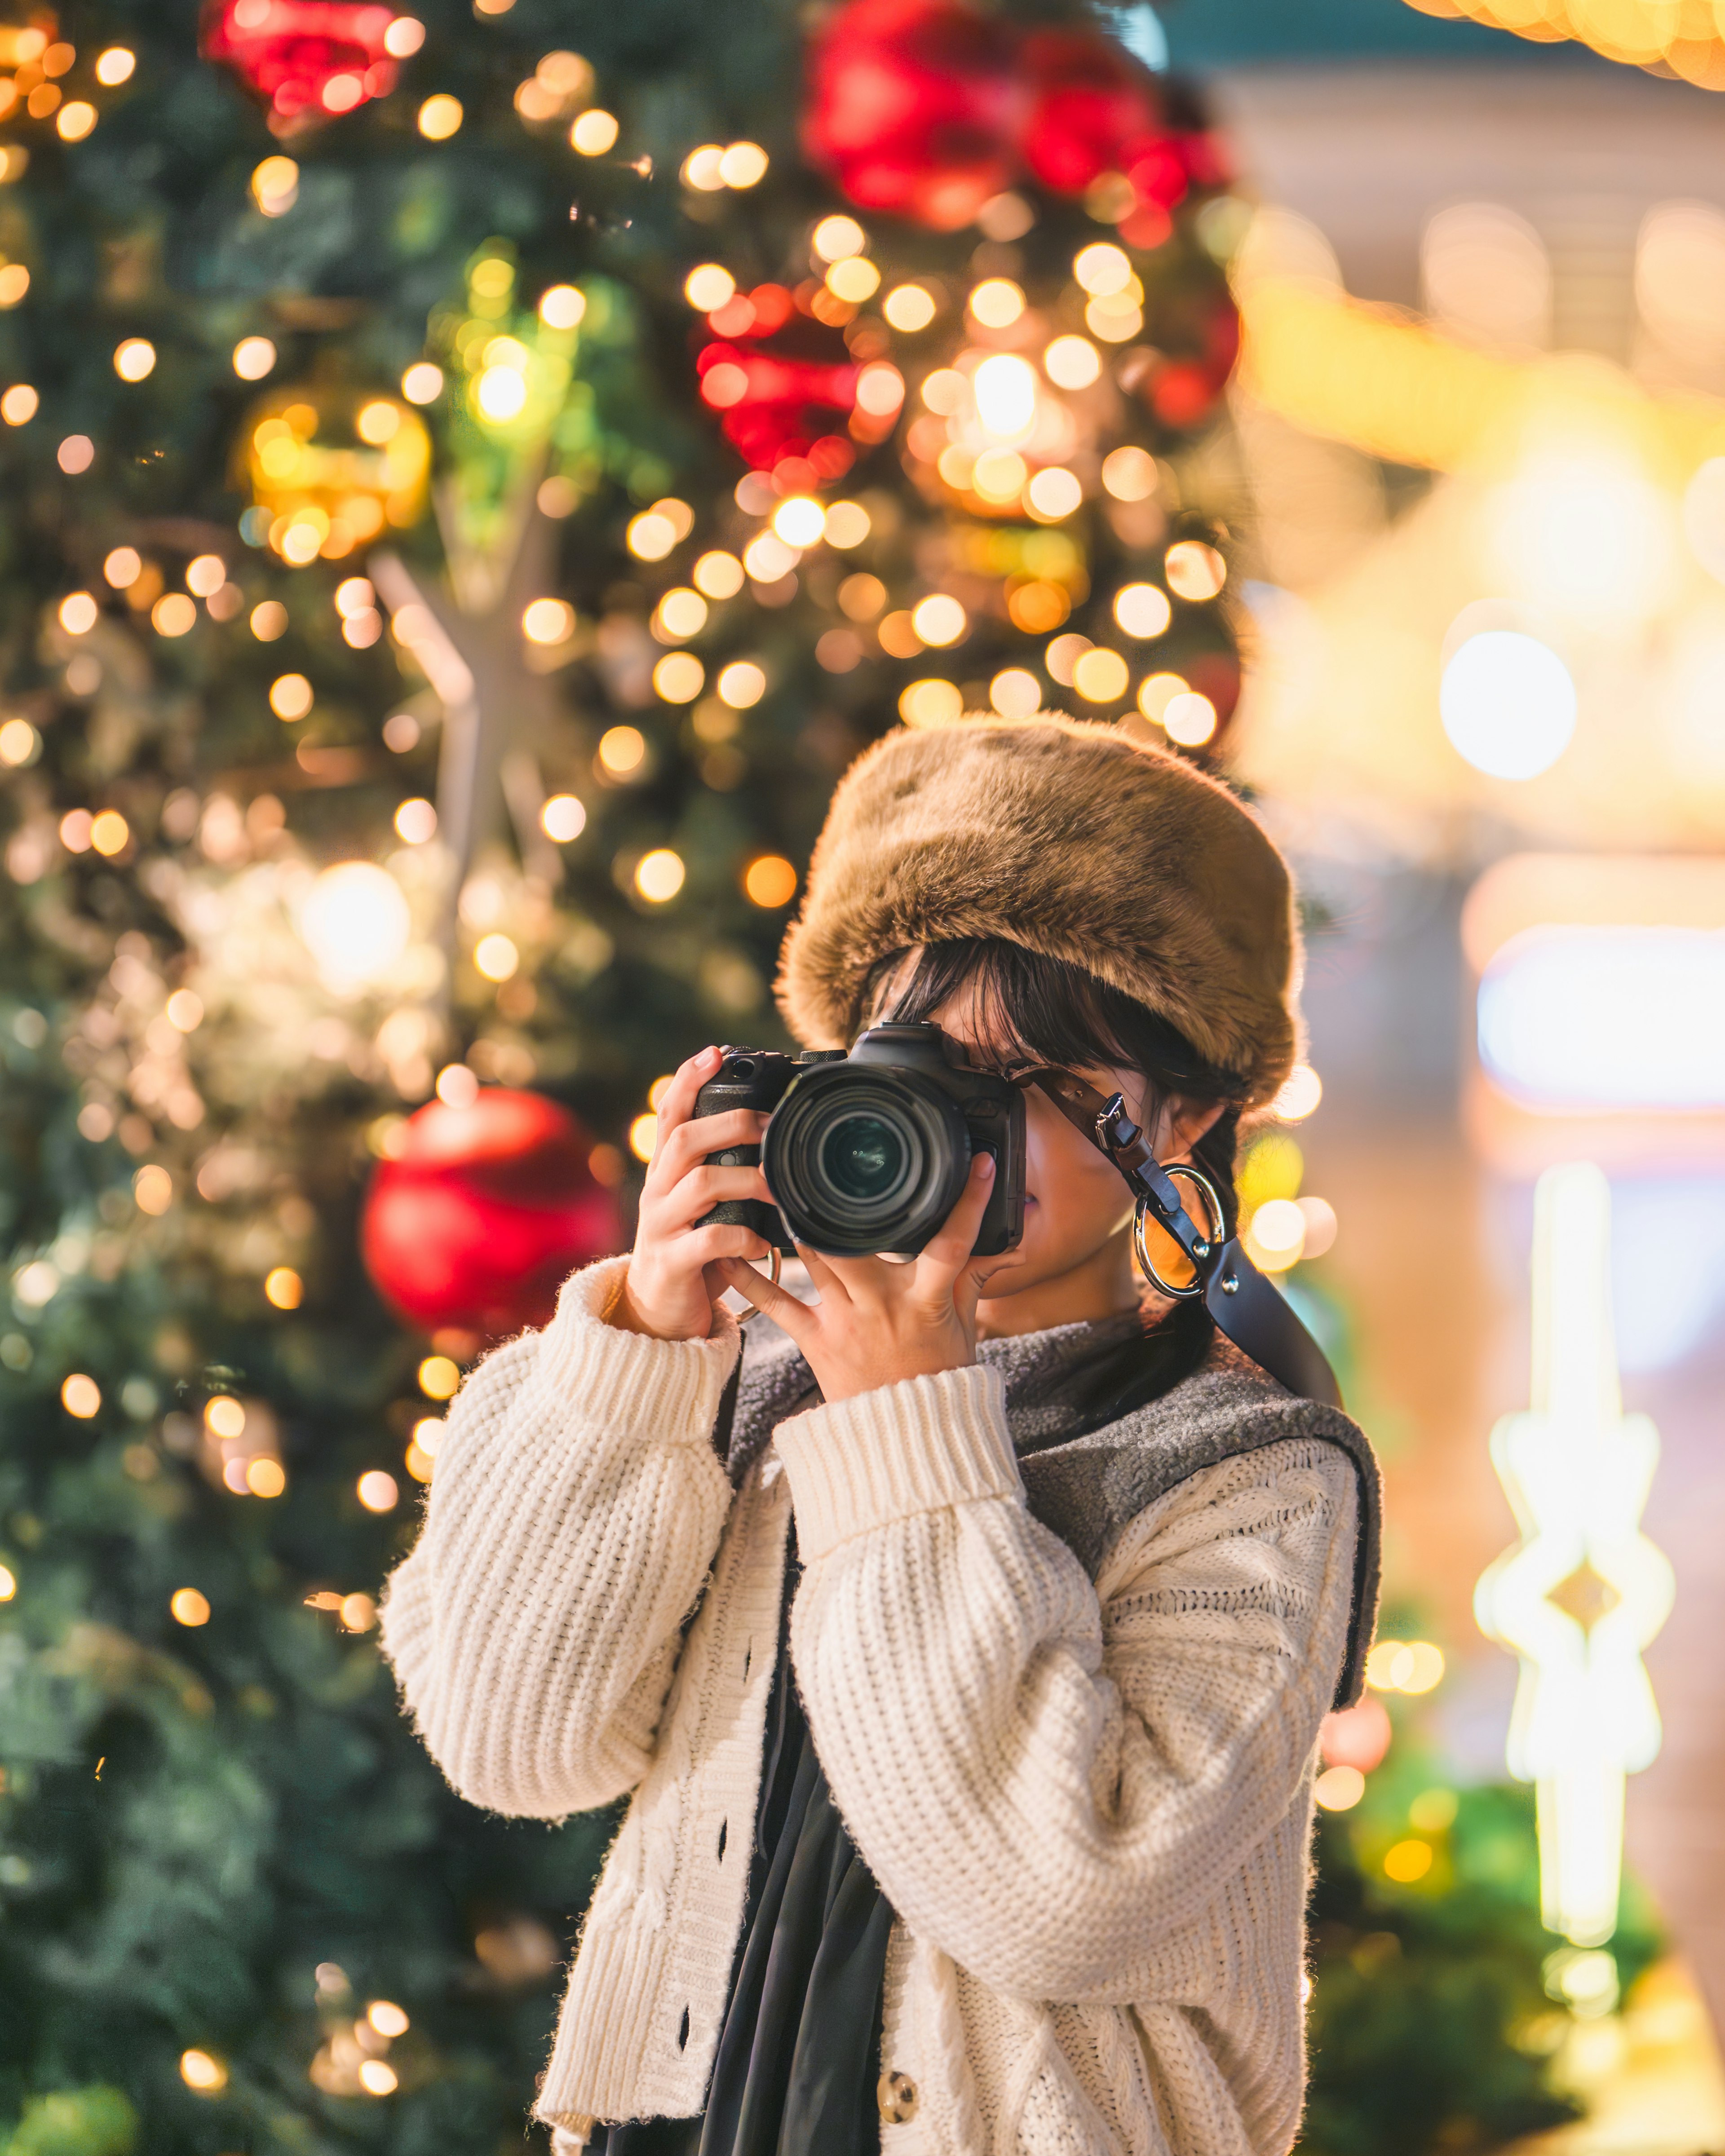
(576, 1508)
(1049, 1777)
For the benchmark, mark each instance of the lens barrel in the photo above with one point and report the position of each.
(862, 1160)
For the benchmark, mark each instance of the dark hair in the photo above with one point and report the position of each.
(1054, 1012)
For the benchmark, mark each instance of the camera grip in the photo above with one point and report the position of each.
(755, 1213)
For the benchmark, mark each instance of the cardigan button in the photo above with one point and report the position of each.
(897, 2097)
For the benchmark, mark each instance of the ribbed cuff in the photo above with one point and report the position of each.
(628, 1380)
(916, 1446)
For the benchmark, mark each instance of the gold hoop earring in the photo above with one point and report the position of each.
(1213, 1234)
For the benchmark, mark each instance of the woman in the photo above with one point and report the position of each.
(968, 1685)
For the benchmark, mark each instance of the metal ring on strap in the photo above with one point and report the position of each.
(1213, 1234)
(777, 1258)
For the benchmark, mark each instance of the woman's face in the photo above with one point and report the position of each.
(1077, 1208)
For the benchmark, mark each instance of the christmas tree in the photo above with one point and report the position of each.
(473, 480)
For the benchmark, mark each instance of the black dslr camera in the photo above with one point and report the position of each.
(869, 1152)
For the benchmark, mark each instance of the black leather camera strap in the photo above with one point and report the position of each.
(1253, 1315)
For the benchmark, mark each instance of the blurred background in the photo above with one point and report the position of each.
(473, 479)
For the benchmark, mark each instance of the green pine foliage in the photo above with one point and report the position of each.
(220, 1842)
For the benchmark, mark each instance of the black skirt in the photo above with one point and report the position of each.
(800, 2054)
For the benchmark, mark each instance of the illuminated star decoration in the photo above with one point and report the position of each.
(1583, 1592)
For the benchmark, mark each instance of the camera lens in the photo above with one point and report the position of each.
(863, 1157)
(859, 1161)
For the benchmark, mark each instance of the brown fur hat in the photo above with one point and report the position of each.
(1070, 840)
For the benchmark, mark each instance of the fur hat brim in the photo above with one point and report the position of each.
(1073, 841)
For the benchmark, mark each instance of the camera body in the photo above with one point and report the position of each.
(869, 1152)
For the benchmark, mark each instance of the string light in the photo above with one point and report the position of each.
(847, 525)
(939, 619)
(115, 66)
(14, 283)
(1072, 362)
(1157, 691)
(909, 308)
(836, 238)
(562, 307)
(378, 1492)
(423, 383)
(708, 286)
(563, 818)
(173, 614)
(679, 613)
(679, 678)
(290, 697)
(75, 455)
(20, 404)
(282, 1288)
(623, 750)
(187, 1607)
(81, 1396)
(741, 684)
(135, 359)
(197, 2069)
(594, 133)
(548, 621)
(79, 613)
(720, 575)
(497, 956)
(440, 117)
(997, 302)
(153, 1190)
(74, 120)
(743, 165)
(660, 875)
(1142, 610)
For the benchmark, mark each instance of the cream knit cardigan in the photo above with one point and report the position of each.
(1088, 1802)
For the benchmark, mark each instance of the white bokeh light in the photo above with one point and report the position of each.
(1508, 704)
(356, 924)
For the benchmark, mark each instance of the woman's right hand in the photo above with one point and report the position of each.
(674, 1278)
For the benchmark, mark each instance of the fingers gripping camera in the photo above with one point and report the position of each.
(869, 1152)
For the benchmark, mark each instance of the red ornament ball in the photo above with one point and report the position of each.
(1096, 110)
(307, 59)
(914, 107)
(483, 1212)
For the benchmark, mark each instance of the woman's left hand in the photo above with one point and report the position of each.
(876, 1323)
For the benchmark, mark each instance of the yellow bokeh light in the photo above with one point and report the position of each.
(1142, 610)
(283, 1288)
(1100, 675)
(110, 832)
(836, 238)
(290, 697)
(81, 1396)
(79, 613)
(1190, 719)
(719, 575)
(939, 619)
(708, 285)
(187, 1607)
(853, 280)
(847, 525)
(20, 404)
(173, 614)
(1015, 693)
(997, 302)
(378, 422)
(909, 307)
(562, 818)
(770, 880)
(999, 475)
(253, 357)
(680, 612)
(799, 520)
(650, 536)
(1157, 691)
(496, 957)
(152, 1190)
(743, 165)
(440, 117)
(562, 307)
(1072, 362)
(945, 391)
(741, 684)
(377, 1491)
(1406, 1861)
(1053, 493)
(386, 2018)
(123, 568)
(1339, 1789)
(224, 1416)
(1129, 474)
(1275, 1234)
(115, 66)
(206, 574)
(423, 383)
(623, 750)
(701, 168)
(135, 359)
(660, 875)
(197, 2069)
(930, 703)
(1301, 1091)
(1102, 269)
(548, 621)
(679, 677)
(265, 1477)
(594, 132)
(275, 186)
(1195, 571)
(439, 1377)
(8, 1583)
(643, 1136)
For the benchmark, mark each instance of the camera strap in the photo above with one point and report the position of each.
(1246, 1307)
